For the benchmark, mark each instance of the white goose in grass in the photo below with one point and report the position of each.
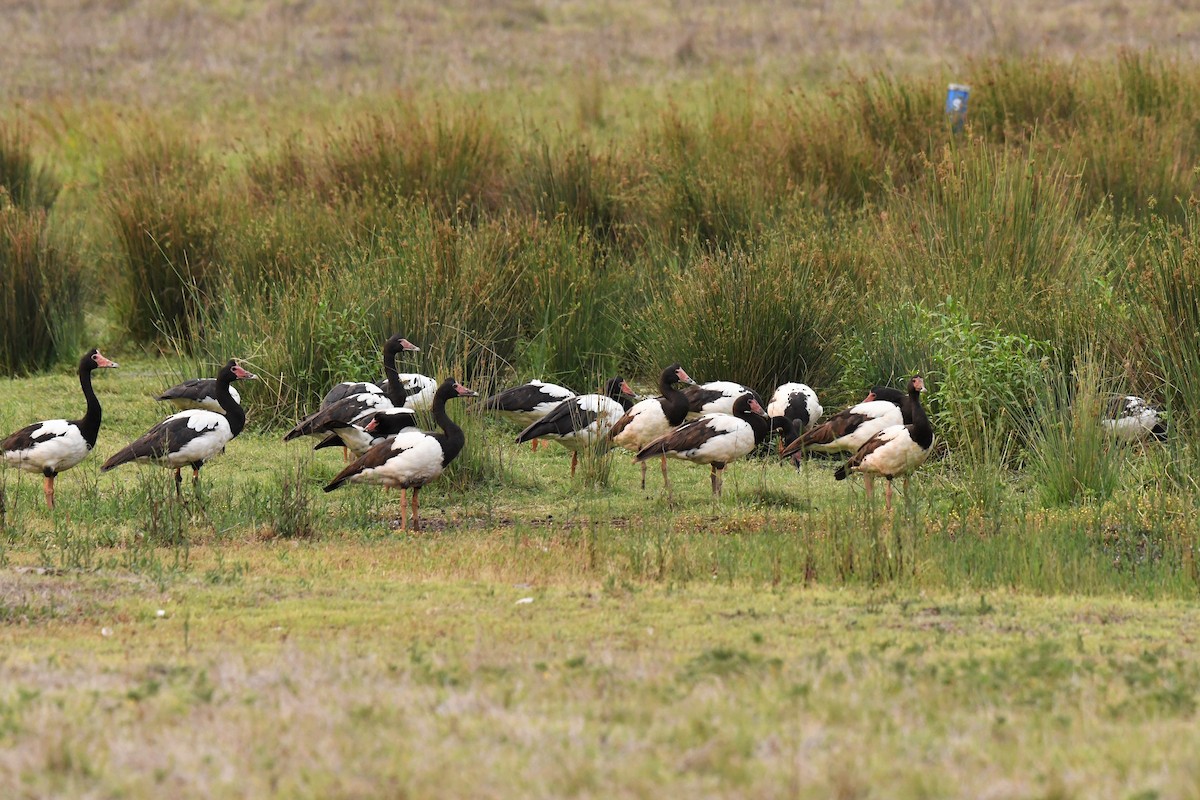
(894, 451)
(190, 438)
(411, 459)
(56, 445)
(651, 418)
(1130, 419)
(714, 439)
(577, 422)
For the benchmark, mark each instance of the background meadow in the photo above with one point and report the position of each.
(571, 191)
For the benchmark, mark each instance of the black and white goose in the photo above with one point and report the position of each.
(649, 419)
(894, 451)
(527, 403)
(1130, 419)
(797, 403)
(714, 439)
(369, 430)
(340, 416)
(349, 388)
(190, 437)
(197, 393)
(716, 397)
(411, 459)
(577, 422)
(56, 445)
(421, 390)
(850, 429)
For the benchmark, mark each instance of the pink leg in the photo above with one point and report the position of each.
(48, 490)
(889, 496)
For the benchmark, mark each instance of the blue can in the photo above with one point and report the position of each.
(956, 105)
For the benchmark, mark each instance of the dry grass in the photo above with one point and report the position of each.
(234, 53)
(336, 670)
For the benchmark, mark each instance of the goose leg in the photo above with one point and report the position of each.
(533, 446)
(178, 482)
(416, 515)
(643, 476)
(195, 476)
(345, 455)
(713, 479)
(574, 461)
(48, 490)
(404, 509)
(869, 483)
(889, 494)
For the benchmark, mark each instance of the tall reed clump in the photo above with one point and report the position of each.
(862, 139)
(711, 181)
(167, 210)
(578, 186)
(1071, 457)
(1166, 304)
(761, 314)
(26, 183)
(1006, 237)
(455, 162)
(571, 328)
(41, 296)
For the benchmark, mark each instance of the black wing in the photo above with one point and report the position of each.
(564, 419)
(168, 436)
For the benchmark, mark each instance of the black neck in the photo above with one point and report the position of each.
(921, 430)
(89, 426)
(782, 424)
(761, 425)
(674, 402)
(233, 411)
(396, 391)
(453, 440)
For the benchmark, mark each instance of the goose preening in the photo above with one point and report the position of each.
(411, 459)
(527, 403)
(897, 450)
(340, 415)
(197, 393)
(55, 445)
(1130, 419)
(714, 439)
(716, 397)
(647, 420)
(346, 389)
(797, 404)
(578, 421)
(190, 437)
(369, 430)
(848, 430)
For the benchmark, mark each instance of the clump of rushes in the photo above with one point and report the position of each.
(167, 210)
(760, 315)
(41, 300)
(1071, 457)
(23, 181)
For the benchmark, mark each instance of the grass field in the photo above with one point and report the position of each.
(761, 191)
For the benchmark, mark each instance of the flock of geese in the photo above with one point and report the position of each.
(887, 435)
